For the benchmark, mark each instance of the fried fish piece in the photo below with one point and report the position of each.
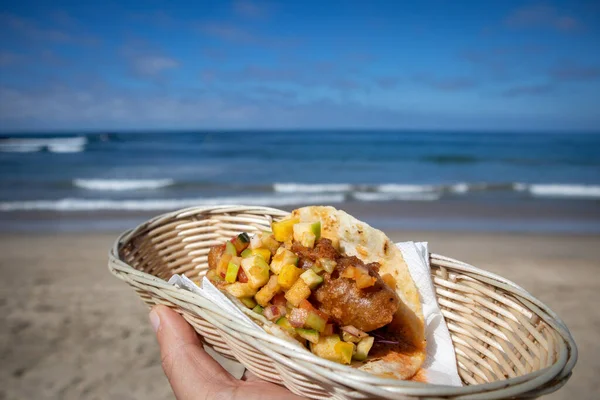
(367, 309)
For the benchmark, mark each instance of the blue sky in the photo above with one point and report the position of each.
(502, 65)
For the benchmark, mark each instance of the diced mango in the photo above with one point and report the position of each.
(344, 351)
(267, 292)
(283, 230)
(288, 275)
(298, 292)
(325, 347)
(281, 258)
(257, 271)
(264, 253)
(239, 289)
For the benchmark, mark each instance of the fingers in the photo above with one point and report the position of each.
(193, 373)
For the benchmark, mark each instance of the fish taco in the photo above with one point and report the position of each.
(331, 282)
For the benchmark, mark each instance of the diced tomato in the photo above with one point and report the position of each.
(241, 276)
(241, 242)
(298, 317)
(279, 299)
(305, 305)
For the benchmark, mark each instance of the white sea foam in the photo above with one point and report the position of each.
(565, 190)
(373, 196)
(460, 188)
(61, 148)
(55, 145)
(122, 184)
(405, 188)
(311, 188)
(163, 204)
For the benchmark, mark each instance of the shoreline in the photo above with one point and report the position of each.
(542, 216)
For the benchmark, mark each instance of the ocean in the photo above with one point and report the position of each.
(92, 179)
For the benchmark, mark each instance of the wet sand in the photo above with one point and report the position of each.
(72, 331)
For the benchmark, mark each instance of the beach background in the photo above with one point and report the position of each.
(474, 126)
(523, 205)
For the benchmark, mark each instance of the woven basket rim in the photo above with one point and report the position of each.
(565, 361)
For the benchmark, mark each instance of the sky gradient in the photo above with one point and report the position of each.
(133, 65)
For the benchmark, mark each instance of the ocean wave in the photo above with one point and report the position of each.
(564, 190)
(163, 204)
(311, 188)
(372, 196)
(121, 184)
(404, 188)
(54, 145)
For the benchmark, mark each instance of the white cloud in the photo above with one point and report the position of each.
(153, 65)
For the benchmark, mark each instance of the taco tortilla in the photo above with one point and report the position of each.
(335, 284)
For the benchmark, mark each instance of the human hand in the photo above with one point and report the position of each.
(193, 373)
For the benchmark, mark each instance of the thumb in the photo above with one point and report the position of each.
(192, 373)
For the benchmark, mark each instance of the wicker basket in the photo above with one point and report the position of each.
(508, 344)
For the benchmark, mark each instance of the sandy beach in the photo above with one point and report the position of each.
(73, 331)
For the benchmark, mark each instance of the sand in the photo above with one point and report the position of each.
(72, 331)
